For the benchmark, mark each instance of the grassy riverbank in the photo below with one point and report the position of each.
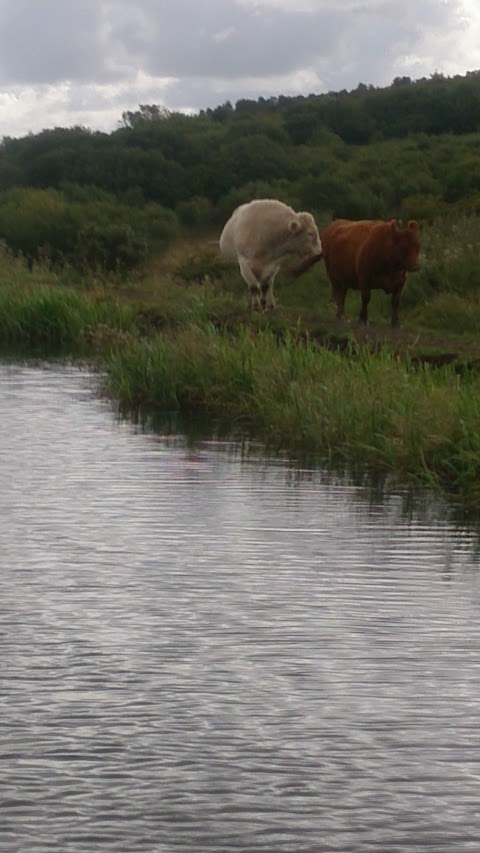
(40, 313)
(182, 340)
(355, 408)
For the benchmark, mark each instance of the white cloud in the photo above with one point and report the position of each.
(223, 34)
(298, 6)
(64, 64)
(34, 108)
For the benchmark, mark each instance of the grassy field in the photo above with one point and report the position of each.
(180, 339)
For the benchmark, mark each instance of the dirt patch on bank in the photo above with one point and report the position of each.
(420, 346)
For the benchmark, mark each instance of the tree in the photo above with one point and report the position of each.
(145, 113)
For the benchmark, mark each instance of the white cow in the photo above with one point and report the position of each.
(264, 235)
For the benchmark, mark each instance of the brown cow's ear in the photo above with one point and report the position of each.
(394, 225)
(412, 225)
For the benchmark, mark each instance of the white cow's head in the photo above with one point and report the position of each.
(305, 239)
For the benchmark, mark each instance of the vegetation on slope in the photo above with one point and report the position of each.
(107, 201)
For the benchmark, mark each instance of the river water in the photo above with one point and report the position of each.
(205, 650)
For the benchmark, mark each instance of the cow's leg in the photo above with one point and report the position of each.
(253, 283)
(339, 294)
(363, 318)
(395, 304)
(268, 299)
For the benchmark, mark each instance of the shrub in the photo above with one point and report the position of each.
(196, 211)
(32, 219)
(200, 265)
(110, 248)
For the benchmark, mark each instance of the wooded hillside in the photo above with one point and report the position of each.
(410, 150)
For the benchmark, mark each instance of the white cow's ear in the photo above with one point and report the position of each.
(295, 226)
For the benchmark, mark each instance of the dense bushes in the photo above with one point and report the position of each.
(38, 221)
(97, 233)
(409, 149)
(109, 248)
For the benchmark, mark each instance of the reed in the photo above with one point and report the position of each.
(52, 317)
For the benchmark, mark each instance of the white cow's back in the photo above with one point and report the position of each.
(256, 228)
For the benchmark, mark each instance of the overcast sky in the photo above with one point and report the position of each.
(68, 62)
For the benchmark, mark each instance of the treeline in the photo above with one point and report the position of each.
(106, 200)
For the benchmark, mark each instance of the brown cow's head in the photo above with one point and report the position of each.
(406, 246)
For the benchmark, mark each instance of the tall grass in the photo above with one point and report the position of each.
(361, 409)
(54, 317)
(445, 294)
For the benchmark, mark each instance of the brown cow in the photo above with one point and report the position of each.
(366, 255)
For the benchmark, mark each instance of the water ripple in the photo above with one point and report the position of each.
(201, 652)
